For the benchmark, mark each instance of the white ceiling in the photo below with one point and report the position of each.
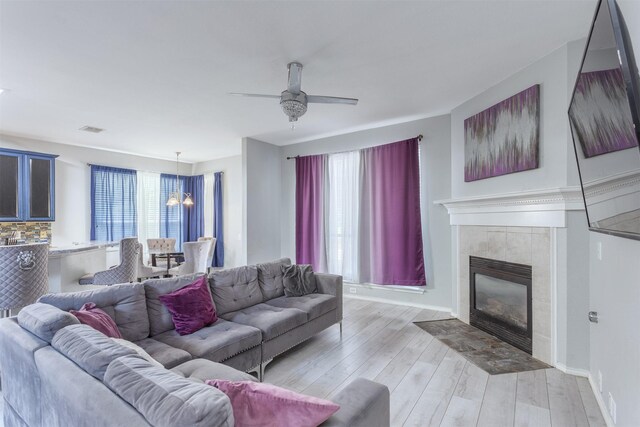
(155, 74)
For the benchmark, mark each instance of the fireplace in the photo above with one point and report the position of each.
(500, 300)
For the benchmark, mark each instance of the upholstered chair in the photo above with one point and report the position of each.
(124, 272)
(23, 275)
(212, 249)
(195, 258)
(160, 246)
(146, 271)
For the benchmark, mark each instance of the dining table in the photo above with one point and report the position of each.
(178, 257)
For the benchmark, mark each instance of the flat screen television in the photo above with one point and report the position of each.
(604, 117)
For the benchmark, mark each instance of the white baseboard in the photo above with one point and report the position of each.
(603, 407)
(594, 388)
(572, 371)
(408, 304)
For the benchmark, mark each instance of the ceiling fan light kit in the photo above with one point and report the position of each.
(293, 100)
(294, 106)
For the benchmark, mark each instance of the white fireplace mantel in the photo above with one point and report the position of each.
(539, 208)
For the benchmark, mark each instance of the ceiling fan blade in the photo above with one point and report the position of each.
(254, 95)
(331, 100)
(295, 77)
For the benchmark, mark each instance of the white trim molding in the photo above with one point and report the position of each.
(539, 208)
(603, 407)
(402, 303)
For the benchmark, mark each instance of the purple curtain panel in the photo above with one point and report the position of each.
(391, 250)
(310, 189)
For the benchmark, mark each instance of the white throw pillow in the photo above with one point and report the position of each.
(138, 350)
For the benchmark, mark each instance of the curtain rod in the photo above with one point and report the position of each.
(144, 170)
(419, 138)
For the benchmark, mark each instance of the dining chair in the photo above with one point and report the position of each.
(195, 258)
(147, 271)
(212, 249)
(124, 272)
(160, 246)
(23, 275)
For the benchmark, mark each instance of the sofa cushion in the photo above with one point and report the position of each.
(201, 370)
(298, 280)
(44, 320)
(160, 319)
(235, 288)
(89, 349)
(272, 321)
(270, 278)
(261, 404)
(217, 342)
(165, 398)
(125, 304)
(141, 351)
(315, 305)
(191, 307)
(91, 315)
(166, 355)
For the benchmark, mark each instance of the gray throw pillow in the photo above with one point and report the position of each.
(298, 280)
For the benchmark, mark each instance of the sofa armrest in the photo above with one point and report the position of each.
(331, 284)
(363, 403)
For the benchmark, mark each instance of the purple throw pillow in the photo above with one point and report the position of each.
(91, 315)
(265, 405)
(191, 307)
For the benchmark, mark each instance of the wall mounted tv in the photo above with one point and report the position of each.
(604, 117)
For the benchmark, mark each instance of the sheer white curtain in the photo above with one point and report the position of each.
(148, 205)
(342, 206)
(208, 204)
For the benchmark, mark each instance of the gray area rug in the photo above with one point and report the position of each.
(478, 347)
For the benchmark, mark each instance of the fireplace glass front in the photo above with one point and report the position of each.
(500, 296)
(502, 299)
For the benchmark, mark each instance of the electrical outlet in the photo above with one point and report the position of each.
(599, 251)
(600, 381)
(612, 408)
(353, 290)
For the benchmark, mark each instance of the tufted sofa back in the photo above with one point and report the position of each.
(235, 288)
(270, 278)
(126, 304)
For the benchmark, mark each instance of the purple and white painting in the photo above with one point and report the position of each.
(504, 138)
(600, 114)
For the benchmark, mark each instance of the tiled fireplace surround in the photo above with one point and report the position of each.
(527, 228)
(522, 245)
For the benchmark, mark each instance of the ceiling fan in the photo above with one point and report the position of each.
(293, 100)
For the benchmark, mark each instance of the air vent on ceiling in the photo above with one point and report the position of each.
(91, 129)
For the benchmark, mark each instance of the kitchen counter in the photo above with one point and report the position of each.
(55, 251)
(68, 263)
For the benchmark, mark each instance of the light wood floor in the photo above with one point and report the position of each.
(430, 384)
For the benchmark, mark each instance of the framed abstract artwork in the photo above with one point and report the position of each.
(503, 138)
(600, 114)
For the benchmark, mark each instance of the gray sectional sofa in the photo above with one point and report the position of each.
(57, 372)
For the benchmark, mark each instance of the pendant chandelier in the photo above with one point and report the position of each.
(175, 198)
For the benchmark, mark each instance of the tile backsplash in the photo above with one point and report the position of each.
(28, 232)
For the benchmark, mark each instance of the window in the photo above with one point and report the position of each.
(148, 207)
(113, 203)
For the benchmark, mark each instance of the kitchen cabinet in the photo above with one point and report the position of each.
(27, 186)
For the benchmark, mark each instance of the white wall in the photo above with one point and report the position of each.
(262, 187)
(435, 155)
(556, 73)
(551, 73)
(614, 283)
(232, 194)
(73, 181)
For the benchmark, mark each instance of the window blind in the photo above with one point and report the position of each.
(113, 203)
